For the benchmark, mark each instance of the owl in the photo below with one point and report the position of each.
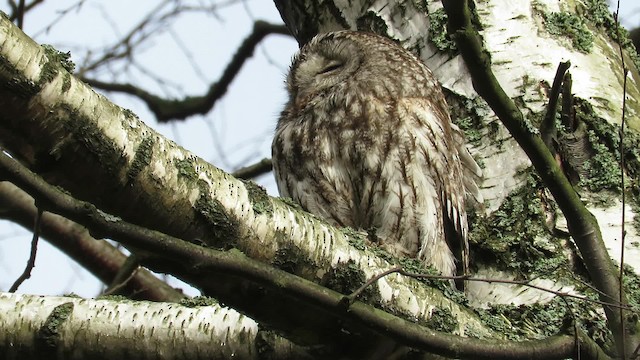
(365, 140)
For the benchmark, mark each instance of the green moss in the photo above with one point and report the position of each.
(347, 277)
(66, 82)
(130, 114)
(538, 321)
(60, 57)
(223, 227)
(198, 301)
(442, 320)
(142, 158)
(535, 321)
(514, 237)
(599, 14)
(604, 138)
(438, 34)
(570, 26)
(186, 169)
(603, 170)
(468, 114)
(55, 60)
(258, 197)
(291, 259)
(88, 139)
(47, 338)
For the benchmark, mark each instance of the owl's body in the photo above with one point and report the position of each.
(366, 141)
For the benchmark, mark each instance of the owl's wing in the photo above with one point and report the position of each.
(438, 151)
(471, 171)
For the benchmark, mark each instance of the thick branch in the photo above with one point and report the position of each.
(97, 256)
(324, 311)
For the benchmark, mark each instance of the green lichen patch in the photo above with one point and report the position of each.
(46, 339)
(438, 34)
(538, 321)
(66, 82)
(535, 321)
(599, 14)
(222, 226)
(355, 237)
(346, 277)
(186, 169)
(631, 283)
(293, 260)
(88, 139)
(142, 158)
(442, 320)
(602, 169)
(258, 197)
(56, 61)
(64, 59)
(515, 236)
(604, 164)
(198, 301)
(468, 114)
(570, 26)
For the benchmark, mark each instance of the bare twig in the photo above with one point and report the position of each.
(353, 296)
(548, 126)
(261, 167)
(20, 14)
(166, 110)
(623, 234)
(31, 263)
(16, 13)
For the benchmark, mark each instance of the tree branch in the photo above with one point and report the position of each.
(320, 307)
(166, 110)
(97, 256)
(582, 224)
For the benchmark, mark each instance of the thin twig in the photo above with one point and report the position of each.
(31, 263)
(248, 172)
(166, 110)
(623, 199)
(548, 126)
(353, 296)
(20, 18)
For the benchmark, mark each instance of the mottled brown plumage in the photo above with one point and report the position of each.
(366, 141)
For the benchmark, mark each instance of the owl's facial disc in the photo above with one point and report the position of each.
(320, 68)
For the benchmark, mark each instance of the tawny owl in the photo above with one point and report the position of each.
(366, 141)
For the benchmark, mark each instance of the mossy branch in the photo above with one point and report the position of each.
(582, 225)
(324, 311)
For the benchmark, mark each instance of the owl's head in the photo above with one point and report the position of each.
(326, 61)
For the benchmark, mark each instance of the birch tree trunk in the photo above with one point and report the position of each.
(291, 271)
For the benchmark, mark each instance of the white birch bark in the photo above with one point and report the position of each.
(73, 328)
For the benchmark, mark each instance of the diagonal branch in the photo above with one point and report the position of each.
(97, 256)
(583, 226)
(322, 309)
